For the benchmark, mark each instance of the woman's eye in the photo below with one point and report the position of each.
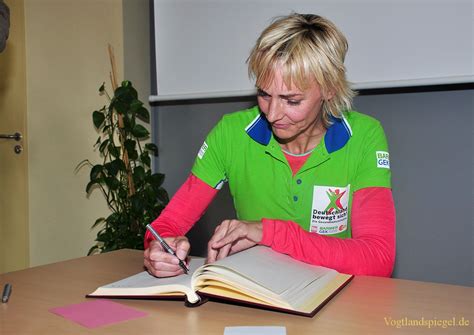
(262, 94)
(293, 102)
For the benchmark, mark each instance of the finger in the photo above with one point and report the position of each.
(162, 274)
(146, 253)
(211, 255)
(182, 248)
(163, 256)
(224, 251)
(231, 237)
(219, 232)
(155, 246)
(167, 267)
(162, 265)
(160, 269)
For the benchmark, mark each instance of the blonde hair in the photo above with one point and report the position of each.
(307, 47)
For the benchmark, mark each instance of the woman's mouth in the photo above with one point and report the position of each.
(280, 125)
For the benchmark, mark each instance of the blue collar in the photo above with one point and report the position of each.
(335, 138)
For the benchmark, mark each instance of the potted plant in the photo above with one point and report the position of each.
(133, 192)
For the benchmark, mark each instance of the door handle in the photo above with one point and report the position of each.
(16, 136)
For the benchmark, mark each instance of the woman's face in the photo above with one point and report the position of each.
(290, 111)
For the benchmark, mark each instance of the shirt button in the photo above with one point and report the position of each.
(295, 198)
(298, 181)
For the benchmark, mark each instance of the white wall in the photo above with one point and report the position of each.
(202, 46)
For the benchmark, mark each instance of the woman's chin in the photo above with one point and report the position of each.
(283, 134)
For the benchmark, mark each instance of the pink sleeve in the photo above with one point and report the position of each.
(184, 210)
(370, 251)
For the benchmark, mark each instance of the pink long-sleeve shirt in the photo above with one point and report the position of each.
(370, 251)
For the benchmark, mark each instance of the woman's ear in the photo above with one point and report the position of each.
(330, 94)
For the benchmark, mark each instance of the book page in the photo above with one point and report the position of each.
(276, 272)
(144, 284)
(144, 279)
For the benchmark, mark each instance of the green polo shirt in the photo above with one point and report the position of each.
(242, 151)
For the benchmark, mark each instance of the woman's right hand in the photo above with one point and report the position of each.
(159, 263)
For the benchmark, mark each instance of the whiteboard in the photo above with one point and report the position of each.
(202, 45)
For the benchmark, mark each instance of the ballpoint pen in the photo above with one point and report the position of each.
(7, 291)
(167, 247)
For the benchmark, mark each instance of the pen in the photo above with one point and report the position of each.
(167, 247)
(7, 290)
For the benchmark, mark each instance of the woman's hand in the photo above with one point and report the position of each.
(159, 263)
(232, 236)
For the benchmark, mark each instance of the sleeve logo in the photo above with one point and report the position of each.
(202, 151)
(383, 159)
(329, 213)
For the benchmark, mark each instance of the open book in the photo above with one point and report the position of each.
(257, 276)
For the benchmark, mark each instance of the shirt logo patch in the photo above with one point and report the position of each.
(330, 209)
(202, 151)
(383, 159)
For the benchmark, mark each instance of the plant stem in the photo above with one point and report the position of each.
(113, 78)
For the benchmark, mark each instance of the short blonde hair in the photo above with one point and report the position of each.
(308, 47)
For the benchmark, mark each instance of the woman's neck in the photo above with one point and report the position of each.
(303, 143)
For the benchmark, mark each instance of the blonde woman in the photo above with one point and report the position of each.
(309, 177)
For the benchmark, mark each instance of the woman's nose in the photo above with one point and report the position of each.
(274, 110)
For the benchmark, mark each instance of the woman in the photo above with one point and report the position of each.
(309, 177)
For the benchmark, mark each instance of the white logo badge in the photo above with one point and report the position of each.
(383, 159)
(330, 209)
(202, 151)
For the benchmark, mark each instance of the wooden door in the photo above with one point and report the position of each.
(14, 238)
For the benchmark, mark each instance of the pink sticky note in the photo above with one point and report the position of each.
(97, 313)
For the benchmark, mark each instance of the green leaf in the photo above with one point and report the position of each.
(145, 157)
(127, 85)
(114, 151)
(97, 222)
(135, 105)
(138, 174)
(119, 164)
(126, 94)
(157, 179)
(113, 218)
(163, 195)
(130, 145)
(102, 88)
(97, 142)
(95, 172)
(120, 106)
(137, 205)
(93, 250)
(139, 131)
(98, 118)
(143, 114)
(122, 193)
(128, 122)
(89, 185)
(133, 155)
(103, 146)
(112, 169)
(112, 183)
(152, 147)
(102, 236)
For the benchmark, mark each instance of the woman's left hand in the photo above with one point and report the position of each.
(232, 236)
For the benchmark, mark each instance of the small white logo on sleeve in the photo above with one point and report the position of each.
(202, 151)
(383, 159)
